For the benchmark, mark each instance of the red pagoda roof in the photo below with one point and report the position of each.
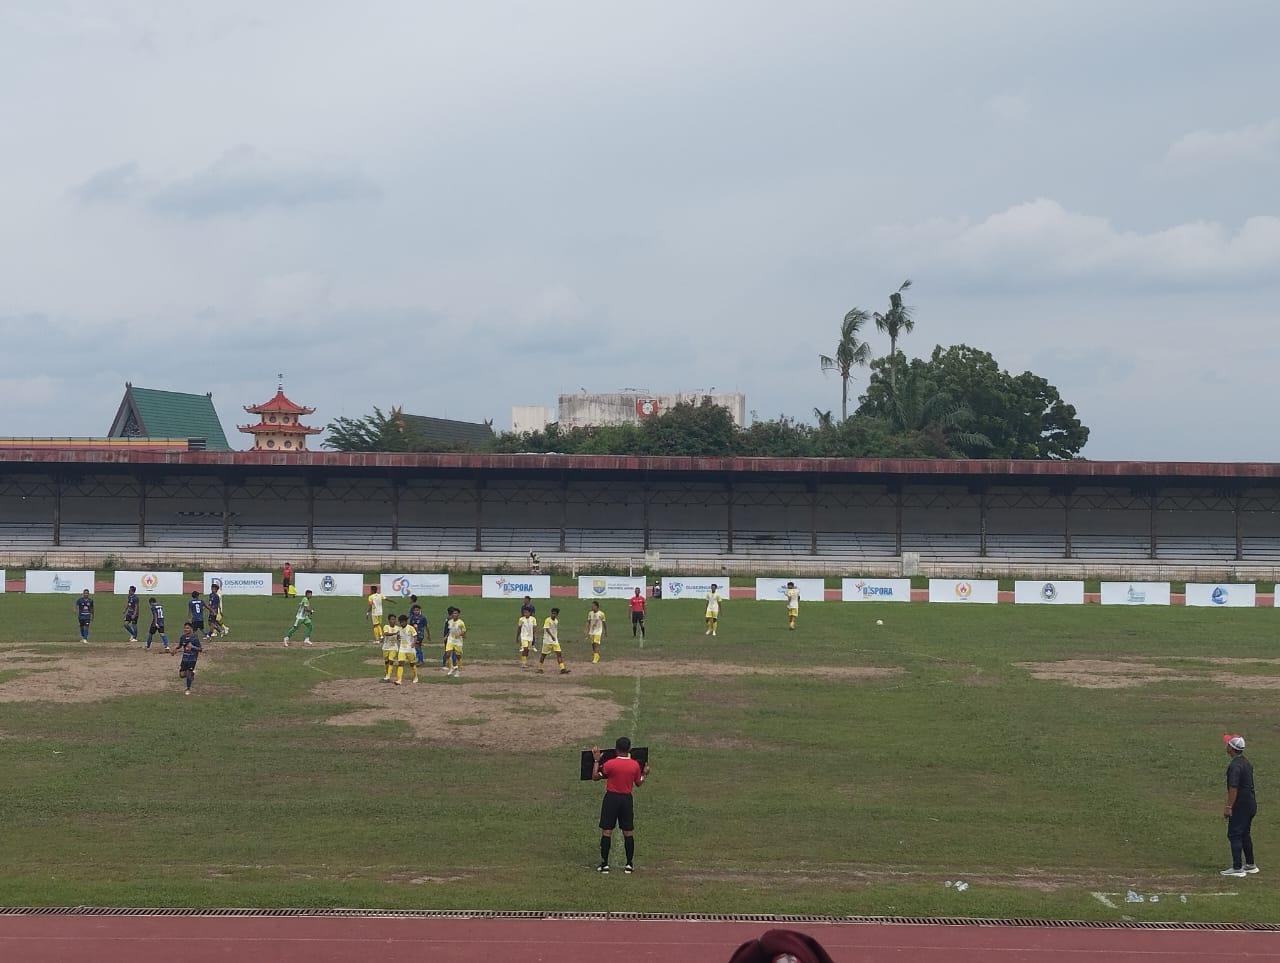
(278, 403)
(282, 429)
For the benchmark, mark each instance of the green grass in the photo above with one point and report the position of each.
(788, 792)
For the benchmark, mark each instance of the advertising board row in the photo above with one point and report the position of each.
(963, 591)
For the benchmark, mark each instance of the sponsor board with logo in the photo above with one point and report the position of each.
(149, 583)
(1134, 593)
(982, 591)
(1221, 595)
(1047, 592)
(609, 586)
(516, 586)
(329, 583)
(239, 583)
(696, 587)
(41, 581)
(875, 590)
(404, 585)
(775, 589)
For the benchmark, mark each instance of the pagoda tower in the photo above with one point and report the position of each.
(278, 428)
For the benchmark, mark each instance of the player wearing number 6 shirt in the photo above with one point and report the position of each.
(621, 774)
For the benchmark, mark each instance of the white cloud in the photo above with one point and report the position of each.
(1208, 149)
(1042, 242)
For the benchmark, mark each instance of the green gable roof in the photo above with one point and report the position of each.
(446, 432)
(151, 413)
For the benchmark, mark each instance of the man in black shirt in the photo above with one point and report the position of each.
(1240, 808)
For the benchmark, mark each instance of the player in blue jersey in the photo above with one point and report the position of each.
(84, 614)
(421, 629)
(195, 611)
(189, 646)
(216, 625)
(131, 613)
(157, 626)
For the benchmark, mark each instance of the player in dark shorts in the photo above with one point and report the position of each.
(195, 611)
(157, 625)
(637, 612)
(621, 774)
(131, 613)
(189, 646)
(84, 614)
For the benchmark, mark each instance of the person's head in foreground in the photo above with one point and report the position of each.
(781, 946)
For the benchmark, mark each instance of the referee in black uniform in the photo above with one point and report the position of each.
(1240, 808)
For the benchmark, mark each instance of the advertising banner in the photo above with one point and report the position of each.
(1135, 593)
(775, 589)
(609, 586)
(977, 590)
(420, 585)
(47, 582)
(1, 581)
(875, 590)
(329, 583)
(696, 587)
(516, 586)
(1040, 592)
(1222, 595)
(149, 583)
(239, 583)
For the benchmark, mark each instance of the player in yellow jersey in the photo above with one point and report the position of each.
(551, 641)
(455, 633)
(793, 604)
(526, 632)
(712, 617)
(375, 611)
(596, 629)
(408, 652)
(390, 649)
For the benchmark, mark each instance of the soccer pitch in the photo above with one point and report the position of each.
(1053, 759)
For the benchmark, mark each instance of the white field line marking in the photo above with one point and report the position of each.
(1105, 900)
(311, 662)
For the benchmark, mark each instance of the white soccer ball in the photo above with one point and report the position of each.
(879, 621)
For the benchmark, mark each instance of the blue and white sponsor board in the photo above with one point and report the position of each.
(1135, 593)
(875, 590)
(1051, 592)
(981, 591)
(1221, 595)
(329, 583)
(697, 587)
(149, 583)
(609, 586)
(775, 589)
(41, 581)
(239, 583)
(1, 581)
(408, 584)
(516, 586)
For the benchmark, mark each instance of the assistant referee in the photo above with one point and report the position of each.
(621, 774)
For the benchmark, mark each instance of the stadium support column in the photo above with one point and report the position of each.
(311, 515)
(646, 496)
(564, 510)
(813, 517)
(395, 515)
(142, 511)
(728, 528)
(57, 509)
(897, 517)
(1151, 524)
(1068, 496)
(1236, 499)
(226, 513)
(479, 492)
(982, 522)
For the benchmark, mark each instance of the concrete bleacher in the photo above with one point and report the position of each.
(514, 541)
(269, 539)
(1026, 546)
(103, 535)
(349, 538)
(690, 543)
(608, 542)
(1266, 549)
(857, 545)
(26, 535)
(771, 544)
(1196, 547)
(177, 537)
(437, 541)
(938, 545)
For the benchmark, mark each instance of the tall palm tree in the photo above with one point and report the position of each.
(897, 320)
(851, 352)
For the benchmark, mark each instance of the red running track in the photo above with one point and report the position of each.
(300, 939)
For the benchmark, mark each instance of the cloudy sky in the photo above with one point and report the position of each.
(461, 206)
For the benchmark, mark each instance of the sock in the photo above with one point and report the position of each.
(604, 849)
(457, 661)
(414, 669)
(387, 665)
(524, 657)
(190, 675)
(399, 673)
(642, 631)
(165, 639)
(445, 660)
(629, 843)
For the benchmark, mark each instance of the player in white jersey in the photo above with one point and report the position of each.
(526, 632)
(793, 604)
(712, 617)
(408, 652)
(596, 630)
(390, 649)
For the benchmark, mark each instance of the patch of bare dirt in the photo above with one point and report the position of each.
(1102, 674)
(1235, 681)
(92, 673)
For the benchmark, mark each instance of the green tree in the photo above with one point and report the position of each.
(374, 432)
(851, 352)
(703, 429)
(894, 322)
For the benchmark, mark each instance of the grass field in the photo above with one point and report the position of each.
(1042, 755)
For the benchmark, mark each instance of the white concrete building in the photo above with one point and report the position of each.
(527, 418)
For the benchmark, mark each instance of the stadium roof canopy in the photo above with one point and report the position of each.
(152, 413)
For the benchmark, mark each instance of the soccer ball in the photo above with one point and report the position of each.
(879, 621)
